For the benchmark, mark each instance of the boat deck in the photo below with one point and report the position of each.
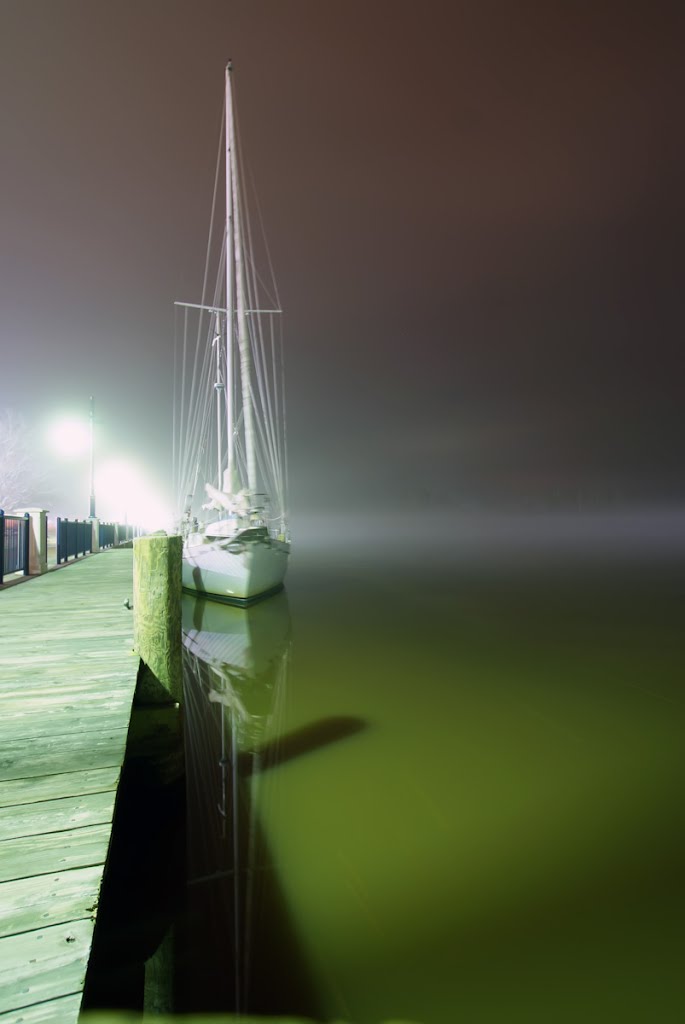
(67, 679)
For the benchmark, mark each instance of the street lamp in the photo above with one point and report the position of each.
(125, 490)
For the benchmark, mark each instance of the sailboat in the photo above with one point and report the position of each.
(230, 412)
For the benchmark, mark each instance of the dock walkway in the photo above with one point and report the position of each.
(67, 679)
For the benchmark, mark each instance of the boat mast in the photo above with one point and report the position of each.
(218, 387)
(243, 340)
(230, 441)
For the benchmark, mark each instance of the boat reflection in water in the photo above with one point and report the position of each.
(237, 659)
(236, 671)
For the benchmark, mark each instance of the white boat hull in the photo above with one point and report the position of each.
(235, 569)
(232, 639)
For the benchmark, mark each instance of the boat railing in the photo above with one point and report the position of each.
(14, 544)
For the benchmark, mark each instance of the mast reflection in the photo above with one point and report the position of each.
(236, 664)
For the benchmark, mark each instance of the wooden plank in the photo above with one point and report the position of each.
(37, 721)
(67, 678)
(75, 677)
(119, 627)
(44, 964)
(58, 754)
(49, 899)
(63, 646)
(91, 690)
(116, 637)
(65, 658)
(89, 629)
(61, 815)
(52, 787)
(64, 1010)
(39, 855)
(70, 667)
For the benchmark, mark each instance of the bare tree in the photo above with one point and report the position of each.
(19, 479)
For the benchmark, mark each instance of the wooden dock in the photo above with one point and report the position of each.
(67, 679)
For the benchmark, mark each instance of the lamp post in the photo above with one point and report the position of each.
(92, 457)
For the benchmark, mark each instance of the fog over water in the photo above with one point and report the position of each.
(473, 211)
(457, 536)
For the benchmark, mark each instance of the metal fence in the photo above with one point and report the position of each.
(126, 532)
(74, 538)
(14, 544)
(107, 535)
(113, 534)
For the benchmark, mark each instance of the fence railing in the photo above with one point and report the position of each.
(14, 544)
(26, 543)
(74, 538)
(107, 535)
(110, 535)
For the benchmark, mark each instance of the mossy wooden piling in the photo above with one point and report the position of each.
(157, 617)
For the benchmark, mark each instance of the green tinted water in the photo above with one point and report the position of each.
(459, 798)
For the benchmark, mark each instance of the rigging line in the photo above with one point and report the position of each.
(214, 195)
(273, 388)
(204, 375)
(241, 461)
(248, 258)
(265, 466)
(265, 240)
(267, 400)
(266, 405)
(232, 413)
(183, 381)
(286, 481)
(174, 475)
(183, 426)
(222, 365)
(177, 411)
(250, 177)
(264, 398)
(257, 336)
(199, 426)
(245, 348)
(193, 412)
(211, 229)
(277, 405)
(202, 447)
(266, 290)
(217, 344)
(193, 400)
(270, 467)
(240, 464)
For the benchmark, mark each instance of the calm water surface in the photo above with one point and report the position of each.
(428, 792)
(457, 794)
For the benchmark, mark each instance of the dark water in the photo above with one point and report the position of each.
(432, 792)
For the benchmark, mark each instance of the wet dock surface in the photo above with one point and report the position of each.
(67, 678)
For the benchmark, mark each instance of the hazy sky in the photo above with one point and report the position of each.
(475, 213)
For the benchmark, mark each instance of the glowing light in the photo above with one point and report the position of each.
(126, 494)
(70, 437)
